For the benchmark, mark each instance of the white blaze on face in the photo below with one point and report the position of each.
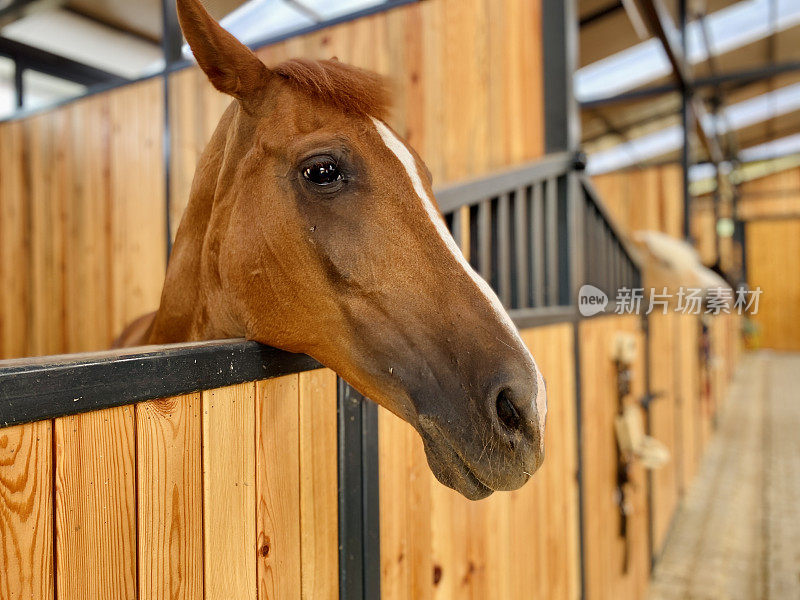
(405, 157)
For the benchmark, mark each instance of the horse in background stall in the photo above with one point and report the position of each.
(670, 264)
(312, 227)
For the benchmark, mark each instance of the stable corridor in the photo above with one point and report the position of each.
(737, 533)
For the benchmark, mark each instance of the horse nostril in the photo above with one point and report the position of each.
(506, 411)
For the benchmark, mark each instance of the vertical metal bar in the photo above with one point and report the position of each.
(370, 485)
(685, 123)
(537, 247)
(485, 239)
(359, 502)
(457, 230)
(504, 249)
(551, 231)
(576, 248)
(19, 84)
(560, 46)
(523, 270)
(171, 42)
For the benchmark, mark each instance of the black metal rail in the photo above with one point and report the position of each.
(34, 389)
(536, 234)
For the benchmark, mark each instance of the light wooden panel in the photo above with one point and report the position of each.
(169, 480)
(26, 512)
(278, 487)
(14, 241)
(522, 544)
(229, 492)
(95, 505)
(83, 247)
(663, 419)
(319, 536)
(644, 199)
(432, 51)
(773, 264)
(689, 401)
(776, 195)
(606, 577)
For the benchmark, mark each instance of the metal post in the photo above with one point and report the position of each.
(686, 123)
(19, 84)
(171, 43)
(562, 133)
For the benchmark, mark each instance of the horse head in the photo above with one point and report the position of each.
(312, 227)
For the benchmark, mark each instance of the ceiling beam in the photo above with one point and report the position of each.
(660, 23)
(601, 13)
(740, 78)
(36, 59)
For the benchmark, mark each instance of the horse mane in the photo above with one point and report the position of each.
(344, 86)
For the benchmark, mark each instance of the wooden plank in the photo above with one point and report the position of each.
(14, 242)
(318, 485)
(664, 426)
(606, 578)
(170, 497)
(773, 264)
(26, 512)
(278, 487)
(95, 521)
(138, 222)
(229, 492)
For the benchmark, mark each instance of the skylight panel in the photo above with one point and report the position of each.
(730, 28)
(775, 148)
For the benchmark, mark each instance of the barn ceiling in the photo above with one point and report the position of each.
(618, 56)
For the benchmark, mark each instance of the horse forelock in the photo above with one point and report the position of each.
(344, 86)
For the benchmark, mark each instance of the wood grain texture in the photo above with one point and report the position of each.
(14, 243)
(644, 199)
(278, 488)
(436, 544)
(663, 420)
(432, 51)
(773, 264)
(319, 536)
(689, 400)
(82, 234)
(96, 505)
(26, 512)
(170, 487)
(606, 577)
(229, 492)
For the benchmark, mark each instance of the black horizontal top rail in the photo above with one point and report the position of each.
(34, 389)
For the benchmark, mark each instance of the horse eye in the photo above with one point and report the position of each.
(324, 172)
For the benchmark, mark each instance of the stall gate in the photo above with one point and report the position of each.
(227, 469)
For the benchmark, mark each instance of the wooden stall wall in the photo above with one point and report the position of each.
(82, 242)
(609, 575)
(773, 196)
(229, 493)
(522, 544)
(771, 208)
(466, 75)
(644, 199)
(773, 264)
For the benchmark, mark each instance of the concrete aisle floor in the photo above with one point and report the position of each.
(737, 534)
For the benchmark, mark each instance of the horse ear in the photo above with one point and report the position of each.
(230, 65)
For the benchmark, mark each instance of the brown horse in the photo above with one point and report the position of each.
(312, 227)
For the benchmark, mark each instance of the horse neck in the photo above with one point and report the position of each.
(188, 302)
